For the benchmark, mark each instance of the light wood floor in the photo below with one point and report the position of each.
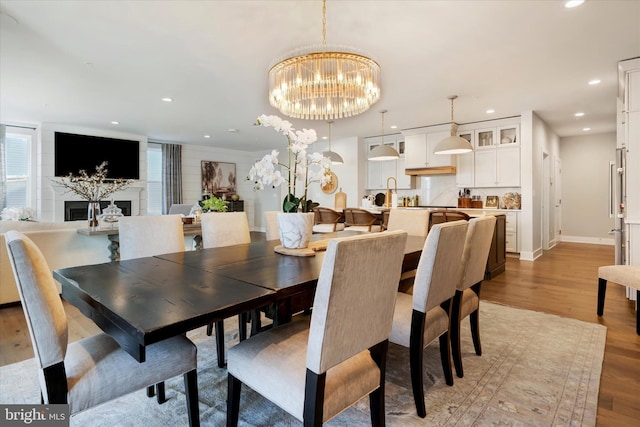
(563, 282)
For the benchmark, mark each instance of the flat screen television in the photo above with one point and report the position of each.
(83, 152)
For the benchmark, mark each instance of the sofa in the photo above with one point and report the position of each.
(60, 244)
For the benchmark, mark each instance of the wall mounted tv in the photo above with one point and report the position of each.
(76, 152)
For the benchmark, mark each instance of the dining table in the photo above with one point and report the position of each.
(145, 300)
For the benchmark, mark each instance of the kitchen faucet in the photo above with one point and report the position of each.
(387, 199)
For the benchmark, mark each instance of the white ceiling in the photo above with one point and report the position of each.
(87, 63)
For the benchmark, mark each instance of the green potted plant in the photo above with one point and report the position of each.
(214, 204)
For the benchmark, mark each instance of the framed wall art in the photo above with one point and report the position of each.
(218, 178)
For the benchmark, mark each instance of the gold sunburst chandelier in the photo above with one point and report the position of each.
(325, 84)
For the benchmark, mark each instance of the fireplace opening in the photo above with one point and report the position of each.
(77, 210)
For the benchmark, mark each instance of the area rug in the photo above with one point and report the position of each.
(536, 370)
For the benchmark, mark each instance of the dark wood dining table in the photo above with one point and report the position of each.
(145, 300)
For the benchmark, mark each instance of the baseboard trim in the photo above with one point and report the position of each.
(589, 240)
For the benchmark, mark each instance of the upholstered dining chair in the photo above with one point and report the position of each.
(625, 275)
(150, 235)
(224, 229)
(416, 223)
(467, 299)
(357, 219)
(439, 216)
(327, 220)
(315, 371)
(93, 370)
(424, 316)
(140, 237)
(221, 229)
(271, 225)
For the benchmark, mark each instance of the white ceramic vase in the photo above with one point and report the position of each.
(295, 229)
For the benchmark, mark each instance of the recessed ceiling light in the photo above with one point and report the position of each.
(167, 99)
(573, 3)
(394, 127)
(594, 82)
(207, 136)
(490, 111)
(115, 123)
(233, 130)
(579, 114)
(325, 137)
(586, 129)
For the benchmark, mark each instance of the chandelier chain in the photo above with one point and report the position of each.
(324, 25)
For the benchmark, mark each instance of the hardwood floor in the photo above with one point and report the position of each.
(563, 281)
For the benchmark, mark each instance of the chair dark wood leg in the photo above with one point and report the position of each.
(234, 386)
(160, 389)
(191, 393)
(445, 358)
(210, 329)
(454, 328)
(416, 349)
(313, 399)
(602, 290)
(638, 312)
(220, 343)
(55, 378)
(376, 398)
(151, 391)
(474, 321)
(256, 322)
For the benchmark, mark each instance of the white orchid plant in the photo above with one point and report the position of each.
(301, 170)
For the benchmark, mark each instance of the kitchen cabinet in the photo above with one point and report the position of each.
(465, 171)
(379, 171)
(511, 232)
(497, 157)
(419, 150)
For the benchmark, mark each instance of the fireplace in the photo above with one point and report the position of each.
(77, 210)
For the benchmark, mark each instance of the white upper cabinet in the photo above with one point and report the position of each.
(420, 147)
(465, 171)
(497, 156)
(378, 172)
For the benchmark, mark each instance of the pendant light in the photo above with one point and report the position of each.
(336, 159)
(453, 144)
(382, 151)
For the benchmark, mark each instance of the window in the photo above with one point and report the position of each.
(19, 160)
(154, 179)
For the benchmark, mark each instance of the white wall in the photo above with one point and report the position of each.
(585, 187)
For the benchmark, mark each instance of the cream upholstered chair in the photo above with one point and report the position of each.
(424, 316)
(357, 219)
(315, 372)
(139, 238)
(221, 229)
(327, 220)
(625, 275)
(271, 224)
(145, 236)
(93, 370)
(415, 222)
(467, 300)
(224, 229)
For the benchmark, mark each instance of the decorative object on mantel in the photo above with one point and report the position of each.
(453, 144)
(93, 188)
(302, 169)
(18, 214)
(323, 84)
(111, 214)
(511, 200)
